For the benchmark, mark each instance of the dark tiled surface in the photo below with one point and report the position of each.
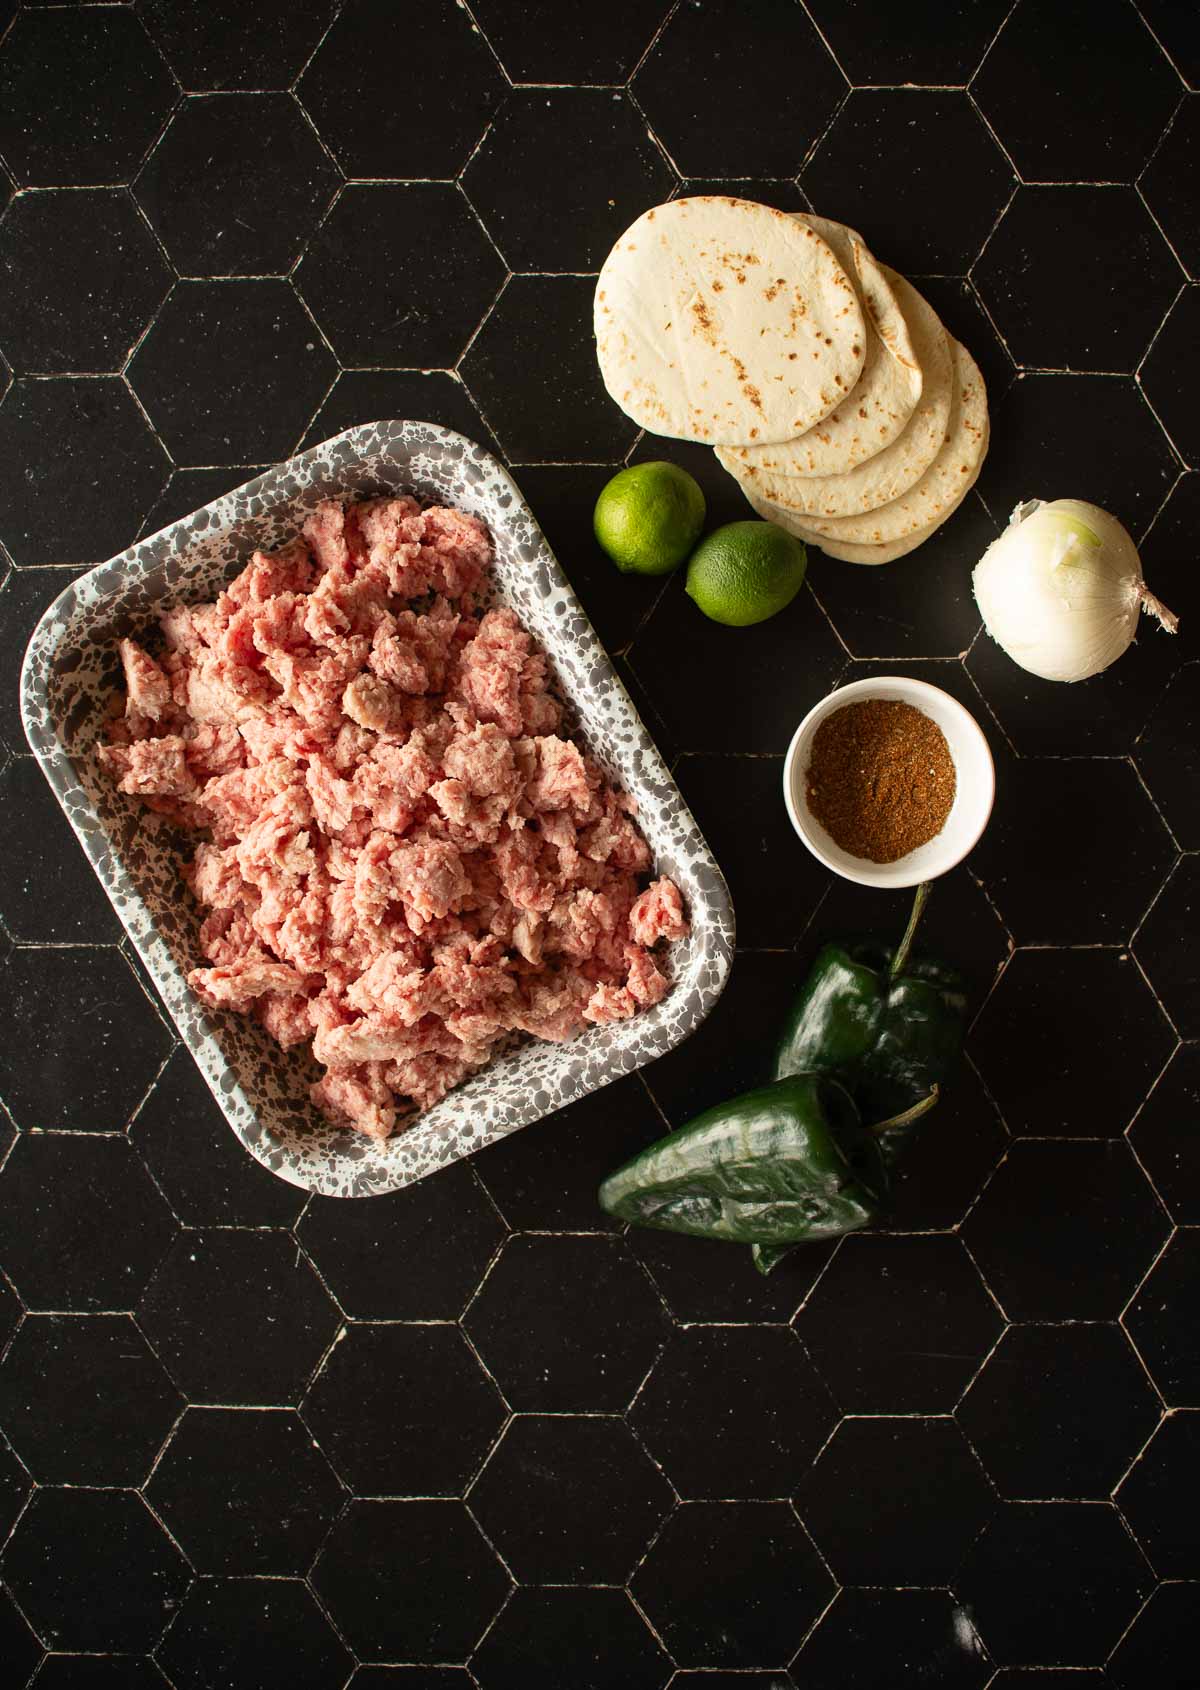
(236, 185)
(857, 1460)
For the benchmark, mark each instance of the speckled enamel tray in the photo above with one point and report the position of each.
(67, 686)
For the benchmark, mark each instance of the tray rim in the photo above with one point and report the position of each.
(42, 731)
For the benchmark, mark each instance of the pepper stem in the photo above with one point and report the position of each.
(906, 1117)
(920, 899)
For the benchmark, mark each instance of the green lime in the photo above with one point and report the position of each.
(649, 517)
(745, 572)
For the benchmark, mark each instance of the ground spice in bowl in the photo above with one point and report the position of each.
(880, 779)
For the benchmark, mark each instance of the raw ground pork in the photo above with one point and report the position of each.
(404, 863)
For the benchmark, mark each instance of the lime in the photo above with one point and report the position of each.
(745, 572)
(649, 517)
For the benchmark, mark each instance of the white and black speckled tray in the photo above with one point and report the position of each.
(67, 686)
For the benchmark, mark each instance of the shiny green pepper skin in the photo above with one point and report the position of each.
(889, 1037)
(773, 1167)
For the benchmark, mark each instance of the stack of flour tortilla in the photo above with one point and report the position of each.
(824, 380)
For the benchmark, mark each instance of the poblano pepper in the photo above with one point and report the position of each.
(888, 1025)
(774, 1167)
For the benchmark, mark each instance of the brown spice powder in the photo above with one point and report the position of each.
(880, 779)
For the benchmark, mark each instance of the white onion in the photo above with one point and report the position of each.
(1061, 590)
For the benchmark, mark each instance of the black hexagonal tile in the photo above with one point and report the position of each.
(539, 42)
(948, 1163)
(719, 57)
(919, 605)
(1093, 433)
(1164, 557)
(412, 1678)
(245, 1491)
(1049, 1678)
(589, 1639)
(1168, 371)
(15, 1485)
(1166, 1136)
(83, 1224)
(532, 368)
(874, 46)
(1065, 1231)
(264, 370)
(703, 1680)
(1101, 716)
(255, 1633)
(1124, 278)
(567, 226)
(923, 1634)
(384, 1617)
(567, 1323)
(916, 172)
(733, 1411)
(1177, 31)
(1168, 756)
(20, 1648)
(1158, 1648)
(795, 658)
(77, 1058)
(415, 303)
(83, 93)
(1053, 1583)
(1155, 1496)
(100, 1672)
(48, 892)
(238, 1317)
(236, 185)
(84, 1400)
(1057, 1411)
(921, 1320)
(562, 498)
(1163, 951)
(191, 489)
(205, 1174)
(956, 301)
(415, 1254)
(236, 43)
(1167, 186)
(24, 595)
(591, 1499)
(49, 513)
(732, 1584)
(403, 1410)
(760, 985)
(386, 110)
(361, 396)
(705, 1281)
(1084, 895)
(93, 1570)
(1061, 1009)
(738, 802)
(545, 1177)
(1076, 103)
(895, 1501)
(48, 321)
(960, 925)
(1170, 1347)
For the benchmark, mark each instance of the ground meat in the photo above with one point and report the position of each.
(404, 863)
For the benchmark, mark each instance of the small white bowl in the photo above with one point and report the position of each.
(975, 785)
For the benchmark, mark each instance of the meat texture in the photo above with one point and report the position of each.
(403, 862)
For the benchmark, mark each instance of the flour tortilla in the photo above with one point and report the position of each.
(886, 393)
(890, 473)
(848, 551)
(954, 467)
(724, 321)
